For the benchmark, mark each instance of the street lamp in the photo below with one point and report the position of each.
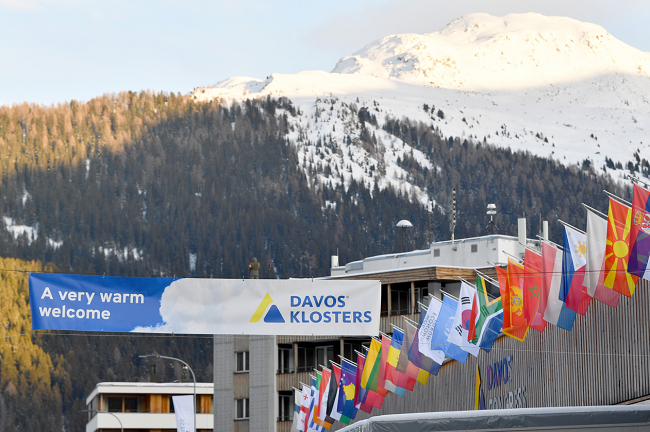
(404, 224)
(188, 366)
(106, 412)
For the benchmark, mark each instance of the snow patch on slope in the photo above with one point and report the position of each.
(552, 86)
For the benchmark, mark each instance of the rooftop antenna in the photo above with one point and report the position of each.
(430, 229)
(453, 213)
(404, 224)
(492, 210)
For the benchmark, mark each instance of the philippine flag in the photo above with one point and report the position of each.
(572, 291)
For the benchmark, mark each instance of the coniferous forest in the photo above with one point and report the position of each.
(144, 184)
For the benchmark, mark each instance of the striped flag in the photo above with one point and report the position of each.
(415, 353)
(574, 264)
(556, 312)
(596, 246)
(361, 393)
(639, 264)
(385, 369)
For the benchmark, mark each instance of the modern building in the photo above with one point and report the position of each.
(273, 366)
(604, 360)
(144, 407)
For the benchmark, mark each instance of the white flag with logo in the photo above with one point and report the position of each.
(425, 332)
(184, 409)
(460, 328)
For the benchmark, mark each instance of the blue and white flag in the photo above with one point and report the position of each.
(444, 324)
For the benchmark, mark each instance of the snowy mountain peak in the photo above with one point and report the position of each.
(552, 86)
(483, 52)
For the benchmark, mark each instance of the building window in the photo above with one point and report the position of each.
(474, 248)
(305, 359)
(436, 253)
(349, 348)
(400, 300)
(114, 404)
(124, 404)
(242, 409)
(285, 360)
(242, 361)
(285, 406)
(323, 355)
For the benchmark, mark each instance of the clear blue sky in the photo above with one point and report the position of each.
(56, 50)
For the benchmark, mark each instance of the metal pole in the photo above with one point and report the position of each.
(106, 412)
(188, 366)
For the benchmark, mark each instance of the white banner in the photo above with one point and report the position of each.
(184, 409)
(205, 306)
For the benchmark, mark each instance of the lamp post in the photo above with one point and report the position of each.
(106, 412)
(188, 366)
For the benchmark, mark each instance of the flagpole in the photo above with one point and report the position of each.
(617, 198)
(463, 280)
(529, 248)
(638, 180)
(593, 210)
(513, 257)
(489, 279)
(571, 226)
(551, 243)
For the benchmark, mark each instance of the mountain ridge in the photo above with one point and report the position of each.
(600, 118)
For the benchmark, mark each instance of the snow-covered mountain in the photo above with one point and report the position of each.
(553, 86)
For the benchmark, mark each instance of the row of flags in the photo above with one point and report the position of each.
(550, 286)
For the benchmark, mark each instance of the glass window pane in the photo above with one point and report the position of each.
(130, 404)
(246, 355)
(246, 405)
(240, 408)
(114, 404)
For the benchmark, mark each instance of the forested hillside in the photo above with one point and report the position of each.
(158, 185)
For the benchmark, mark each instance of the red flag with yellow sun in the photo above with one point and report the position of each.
(617, 250)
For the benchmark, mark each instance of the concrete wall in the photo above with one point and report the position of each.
(223, 400)
(263, 395)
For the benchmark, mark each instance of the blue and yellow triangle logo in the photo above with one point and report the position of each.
(273, 314)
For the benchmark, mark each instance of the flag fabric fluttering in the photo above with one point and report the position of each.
(336, 413)
(325, 389)
(399, 378)
(360, 392)
(304, 408)
(556, 312)
(375, 393)
(574, 264)
(639, 263)
(486, 308)
(318, 401)
(511, 285)
(347, 389)
(415, 353)
(442, 329)
(297, 401)
(404, 365)
(533, 290)
(410, 332)
(492, 328)
(312, 425)
(459, 334)
(617, 251)
(596, 246)
(385, 369)
(425, 332)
